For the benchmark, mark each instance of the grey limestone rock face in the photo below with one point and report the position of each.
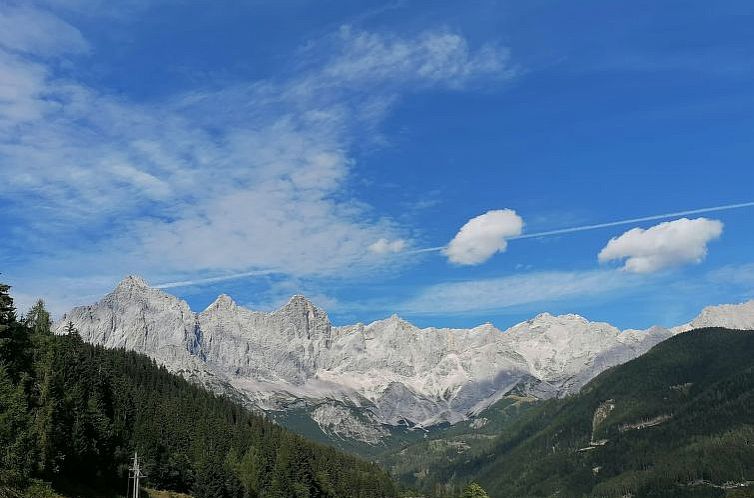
(341, 421)
(283, 346)
(389, 371)
(732, 316)
(137, 317)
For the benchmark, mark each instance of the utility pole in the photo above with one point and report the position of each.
(135, 474)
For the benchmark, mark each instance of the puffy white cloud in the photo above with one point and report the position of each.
(483, 236)
(385, 246)
(668, 244)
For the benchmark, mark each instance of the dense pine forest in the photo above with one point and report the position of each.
(71, 416)
(675, 422)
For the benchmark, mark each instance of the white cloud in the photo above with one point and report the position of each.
(199, 280)
(22, 85)
(483, 236)
(251, 177)
(60, 293)
(431, 57)
(385, 246)
(741, 275)
(123, 10)
(668, 244)
(35, 31)
(516, 290)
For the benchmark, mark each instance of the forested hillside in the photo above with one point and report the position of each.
(416, 462)
(675, 422)
(72, 415)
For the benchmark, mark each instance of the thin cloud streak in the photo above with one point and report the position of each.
(186, 283)
(212, 280)
(608, 224)
(634, 220)
(517, 291)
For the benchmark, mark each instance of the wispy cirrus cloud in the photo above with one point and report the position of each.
(741, 275)
(100, 9)
(385, 246)
(438, 57)
(29, 30)
(250, 177)
(497, 294)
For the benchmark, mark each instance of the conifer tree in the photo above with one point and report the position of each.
(474, 490)
(14, 338)
(7, 311)
(38, 319)
(70, 329)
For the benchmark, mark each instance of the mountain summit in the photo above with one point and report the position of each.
(364, 376)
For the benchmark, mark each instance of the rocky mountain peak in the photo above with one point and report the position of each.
(394, 319)
(132, 281)
(135, 291)
(298, 307)
(546, 322)
(303, 319)
(486, 327)
(224, 302)
(299, 302)
(733, 316)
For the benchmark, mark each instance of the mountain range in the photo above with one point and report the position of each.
(361, 381)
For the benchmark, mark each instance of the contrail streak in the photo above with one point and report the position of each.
(211, 280)
(633, 220)
(629, 221)
(583, 228)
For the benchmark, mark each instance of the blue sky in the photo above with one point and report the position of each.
(263, 149)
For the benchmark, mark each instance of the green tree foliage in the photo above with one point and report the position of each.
(474, 490)
(7, 310)
(37, 320)
(73, 413)
(16, 450)
(14, 338)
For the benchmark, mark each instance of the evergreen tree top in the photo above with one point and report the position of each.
(7, 310)
(474, 490)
